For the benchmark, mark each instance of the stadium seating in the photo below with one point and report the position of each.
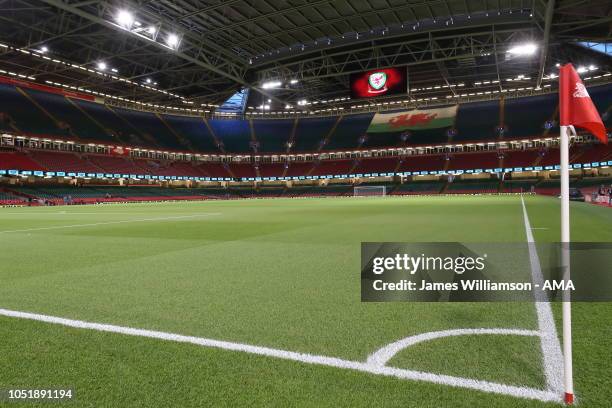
(17, 161)
(311, 132)
(525, 117)
(64, 111)
(108, 119)
(477, 121)
(151, 128)
(272, 135)
(234, 134)
(27, 117)
(348, 132)
(482, 160)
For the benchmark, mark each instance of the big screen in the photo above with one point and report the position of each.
(379, 82)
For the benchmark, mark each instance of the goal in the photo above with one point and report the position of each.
(369, 191)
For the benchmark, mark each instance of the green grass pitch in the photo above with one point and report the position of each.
(279, 273)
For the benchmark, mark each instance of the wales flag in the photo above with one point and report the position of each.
(413, 120)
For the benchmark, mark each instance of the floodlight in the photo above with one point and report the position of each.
(125, 19)
(43, 49)
(101, 66)
(523, 49)
(172, 41)
(271, 84)
(148, 80)
(582, 70)
(293, 81)
(151, 30)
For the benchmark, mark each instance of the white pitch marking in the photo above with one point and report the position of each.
(111, 222)
(551, 348)
(486, 386)
(382, 356)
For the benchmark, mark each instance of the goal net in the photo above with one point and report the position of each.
(369, 191)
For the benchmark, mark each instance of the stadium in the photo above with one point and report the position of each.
(235, 203)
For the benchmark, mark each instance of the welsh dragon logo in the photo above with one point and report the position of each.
(377, 82)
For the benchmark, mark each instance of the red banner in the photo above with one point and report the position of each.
(46, 88)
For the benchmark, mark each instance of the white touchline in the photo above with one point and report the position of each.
(110, 223)
(367, 367)
(551, 348)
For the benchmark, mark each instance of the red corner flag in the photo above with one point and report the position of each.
(575, 105)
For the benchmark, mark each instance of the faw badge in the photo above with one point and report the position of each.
(377, 82)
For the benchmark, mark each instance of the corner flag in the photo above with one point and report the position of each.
(576, 109)
(575, 105)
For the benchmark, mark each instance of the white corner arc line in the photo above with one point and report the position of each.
(178, 217)
(549, 341)
(382, 356)
(479, 385)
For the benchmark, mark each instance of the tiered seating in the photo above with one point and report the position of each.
(26, 115)
(421, 163)
(65, 112)
(480, 160)
(376, 165)
(17, 161)
(61, 161)
(151, 128)
(524, 158)
(297, 169)
(349, 130)
(477, 121)
(235, 134)
(526, 116)
(271, 169)
(243, 170)
(118, 165)
(194, 130)
(273, 135)
(310, 132)
(330, 167)
(110, 121)
(593, 153)
(215, 170)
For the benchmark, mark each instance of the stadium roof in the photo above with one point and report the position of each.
(194, 53)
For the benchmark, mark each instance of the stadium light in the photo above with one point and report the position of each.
(43, 49)
(293, 81)
(152, 30)
(523, 49)
(101, 66)
(172, 41)
(148, 80)
(125, 19)
(582, 70)
(302, 102)
(271, 84)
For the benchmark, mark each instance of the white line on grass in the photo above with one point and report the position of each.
(551, 348)
(179, 217)
(382, 356)
(486, 386)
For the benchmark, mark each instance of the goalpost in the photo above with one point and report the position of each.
(369, 191)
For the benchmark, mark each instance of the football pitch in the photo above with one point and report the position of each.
(266, 296)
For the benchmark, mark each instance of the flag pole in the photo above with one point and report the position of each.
(565, 263)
